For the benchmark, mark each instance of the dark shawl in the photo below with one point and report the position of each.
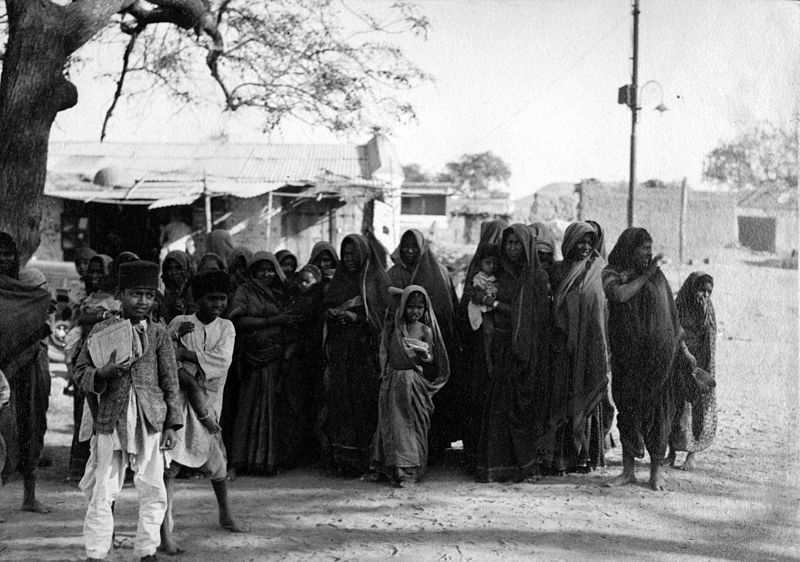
(313, 270)
(320, 247)
(428, 273)
(491, 235)
(236, 253)
(644, 332)
(8, 241)
(543, 237)
(84, 253)
(220, 242)
(600, 241)
(370, 282)
(524, 287)
(580, 313)
(183, 260)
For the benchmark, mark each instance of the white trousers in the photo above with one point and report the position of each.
(103, 481)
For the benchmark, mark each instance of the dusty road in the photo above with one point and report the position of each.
(741, 504)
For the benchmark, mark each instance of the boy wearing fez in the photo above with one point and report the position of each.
(136, 406)
(204, 351)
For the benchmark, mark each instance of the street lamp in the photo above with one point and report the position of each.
(629, 95)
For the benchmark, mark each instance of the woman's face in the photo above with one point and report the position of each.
(584, 247)
(324, 260)
(642, 255)
(82, 267)
(263, 272)
(207, 266)
(240, 269)
(349, 257)
(513, 248)
(8, 261)
(409, 250)
(173, 272)
(289, 265)
(415, 307)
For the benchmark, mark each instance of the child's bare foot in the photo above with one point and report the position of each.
(657, 480)
(35, 506)
(228, 522)
(690, 463)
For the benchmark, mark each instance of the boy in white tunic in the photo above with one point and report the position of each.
(136, 410)
(204, 351)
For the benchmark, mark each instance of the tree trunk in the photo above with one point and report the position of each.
(32, 91)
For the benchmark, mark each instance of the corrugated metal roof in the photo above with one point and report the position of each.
(166, 172)
(770, 197)
(248, 162)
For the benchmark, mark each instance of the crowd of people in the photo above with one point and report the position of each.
(246, 363)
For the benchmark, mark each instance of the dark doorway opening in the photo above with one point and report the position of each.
(757, 233)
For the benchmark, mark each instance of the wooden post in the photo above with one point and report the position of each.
(207, 198)
(682, 225)
(269, 221)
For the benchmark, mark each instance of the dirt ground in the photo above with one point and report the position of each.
(741, 504)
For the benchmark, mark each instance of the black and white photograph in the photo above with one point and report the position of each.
(420, 280)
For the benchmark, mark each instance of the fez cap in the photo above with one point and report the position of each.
(138, 274)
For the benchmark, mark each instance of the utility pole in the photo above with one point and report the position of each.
(633, 94)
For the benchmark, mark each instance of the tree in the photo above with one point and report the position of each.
(414, 173)
(475, 173)
(319, 61)
(763, 154)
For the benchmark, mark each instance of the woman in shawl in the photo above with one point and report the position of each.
(514, 416)
(324, 256)
(696, 417)
(23, 359)
(415, 264)
(176, 273)
(545, 244)
(237, 273)
(210, 262)
(580, 356)
(259, 318)
(647, 352)
(414, 367)
(355, 306)
(220, 243)
(475, 366)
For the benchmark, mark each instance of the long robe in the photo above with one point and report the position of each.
(696, 416)
(514, 417)
(256, 433)
(476, 376)
(580, 360)
(405, 403)
(644, 337)
(349, 416)
(448, 424)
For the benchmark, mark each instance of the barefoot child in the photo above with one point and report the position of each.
(414, 366)
(136, 412)
(483, 314)
(205, 350)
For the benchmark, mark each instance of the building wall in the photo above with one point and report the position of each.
(786, 233)
(710, 218)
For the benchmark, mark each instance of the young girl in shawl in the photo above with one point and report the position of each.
(647, 353)
(176, 272)
(210, 262)
(414, 366)
(288, 262)
(324, 256)
(696, 417)
(481, 315)
(355, 306)
(259, 317)
(580, 356)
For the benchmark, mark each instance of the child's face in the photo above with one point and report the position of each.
(94, 274)
(415, 307)
(82, 267)
(307, 281)
(488, 265)
(137, 302)
(211, 305)
(703, 292)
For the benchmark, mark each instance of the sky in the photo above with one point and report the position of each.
(535, 82)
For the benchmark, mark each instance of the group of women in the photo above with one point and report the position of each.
(321, 370)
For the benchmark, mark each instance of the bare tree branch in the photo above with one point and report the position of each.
(126, 57)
